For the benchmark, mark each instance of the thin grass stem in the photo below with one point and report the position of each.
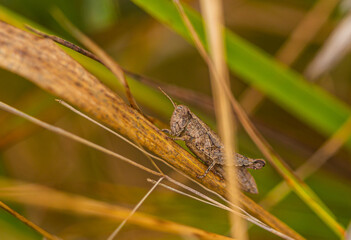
(30, 224)
(113, 235)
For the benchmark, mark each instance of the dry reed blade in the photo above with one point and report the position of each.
(213, 19)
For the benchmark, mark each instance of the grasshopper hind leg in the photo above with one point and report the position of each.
(209, 169)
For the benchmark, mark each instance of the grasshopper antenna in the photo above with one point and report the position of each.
(174, 105)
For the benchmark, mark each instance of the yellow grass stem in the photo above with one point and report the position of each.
(213, 18)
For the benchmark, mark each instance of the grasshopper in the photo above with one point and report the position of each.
(206, 145)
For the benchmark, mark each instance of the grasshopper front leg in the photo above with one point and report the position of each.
(169, 132)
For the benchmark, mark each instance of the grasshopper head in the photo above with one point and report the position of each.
(180, 118)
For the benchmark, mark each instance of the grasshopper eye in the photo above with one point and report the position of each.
(258, 164)
(182, 112)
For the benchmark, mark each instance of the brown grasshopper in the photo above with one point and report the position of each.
(206, 145)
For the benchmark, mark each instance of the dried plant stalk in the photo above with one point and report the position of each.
(46, 65)
(213, 19)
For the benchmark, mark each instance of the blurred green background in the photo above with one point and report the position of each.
(143, 45)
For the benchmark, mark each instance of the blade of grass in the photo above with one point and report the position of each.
(213, 19)
(302, 189)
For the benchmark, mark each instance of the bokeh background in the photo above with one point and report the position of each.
(143, 45)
